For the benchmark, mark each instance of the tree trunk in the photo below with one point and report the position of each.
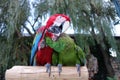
(106, 57)
(101, 51)
(104, 65)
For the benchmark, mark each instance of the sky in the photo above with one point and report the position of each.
(116, 27)
(117, 30)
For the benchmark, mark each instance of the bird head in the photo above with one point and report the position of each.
(57, 29)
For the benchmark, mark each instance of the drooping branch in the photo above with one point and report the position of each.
(28, 30)
(32, 25)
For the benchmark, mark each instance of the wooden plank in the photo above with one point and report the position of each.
(39, 73)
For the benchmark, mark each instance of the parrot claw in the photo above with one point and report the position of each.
(59, 68)
(48, 68)
(78, 69)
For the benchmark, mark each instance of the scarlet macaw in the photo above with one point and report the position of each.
(41, 54)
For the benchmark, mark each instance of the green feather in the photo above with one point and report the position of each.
(66, 52)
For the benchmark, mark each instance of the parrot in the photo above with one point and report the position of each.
(66, 53)
(41, 53)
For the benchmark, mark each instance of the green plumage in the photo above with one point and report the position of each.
(66, 52)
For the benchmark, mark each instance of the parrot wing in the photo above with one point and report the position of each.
(35, 47)
(81, 55)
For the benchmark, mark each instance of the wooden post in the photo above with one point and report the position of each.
(39, 73)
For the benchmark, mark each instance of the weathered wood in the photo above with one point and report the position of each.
(39, 73)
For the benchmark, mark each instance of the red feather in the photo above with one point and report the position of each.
(44, 55)
(53, 17)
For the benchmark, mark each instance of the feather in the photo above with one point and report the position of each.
(67, 52)
(35, 47)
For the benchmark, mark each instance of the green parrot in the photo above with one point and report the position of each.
(66, 52)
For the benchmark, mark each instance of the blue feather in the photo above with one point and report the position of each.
(117, 6)
(35, 47)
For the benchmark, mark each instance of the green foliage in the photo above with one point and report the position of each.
(41, 8)
(14, 53)
(110, 78)
(17, 15)
(13, 15)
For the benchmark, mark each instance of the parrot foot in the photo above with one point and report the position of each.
(59, 68)
(48, 68)
(78, 69)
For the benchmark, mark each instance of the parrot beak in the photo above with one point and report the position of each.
(55, 31)
(55, 36)
(65, 26)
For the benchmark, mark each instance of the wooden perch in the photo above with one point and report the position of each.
(39, 73)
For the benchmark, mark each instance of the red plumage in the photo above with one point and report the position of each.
(53, 17)
(44, 55)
